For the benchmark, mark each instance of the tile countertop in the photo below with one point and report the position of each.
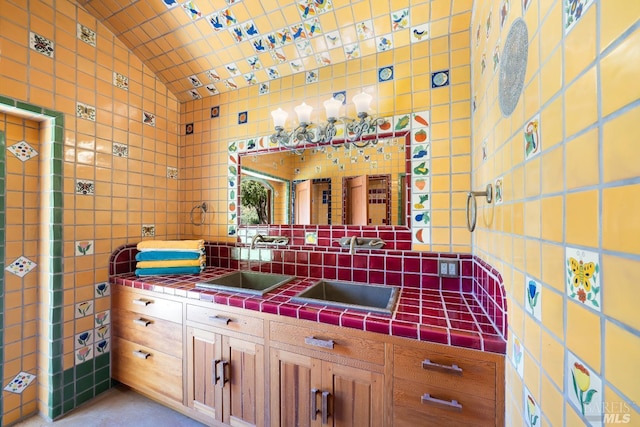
(444, 317)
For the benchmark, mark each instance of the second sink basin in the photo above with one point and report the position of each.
(377, 299)
(251, 282)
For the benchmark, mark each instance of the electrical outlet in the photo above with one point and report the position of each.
(448, 268)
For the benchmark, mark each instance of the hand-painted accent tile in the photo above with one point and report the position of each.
(532, 290)
(20, 382)
(496, 56)
(478, 31)
(84, 309)
(192, 10)
(231, 84)
(385, 74)
(232, 68)
(311, 77)
(341, 96)
(312, 27)
(440, 79)
(85, 187)
(254, 63)
(273, 73)
(249, 29)
(517, 353)
(23, 151)
(120, 150)
(421, 235)
(498, 189)
(573, 11)
(504, 12)
(279, 56)
(485, 142)
(263, 89)
(364, 30)
(333, 39)
(306, 9)
(172, 173)
(487, 25)
(41, 44)
(21, 266)
(194, 94)
(283, 36)
(170, 3)
(474, 103)
(243, 117)
(250, 78)
(323, 6)
(212, 89)
(84, 247)
(120, 81)
(483, 62)
(215, 21)
(194, 81)
(532, 410)
(83, 339)
(188, 129)
(103, 318)
(532, 137)
(400, 20)
(148, 118)
(102, 346)
(583, 277)
(148, 230)
(84, 111)
(352, 51)
(585, 390)
(310, 238)
(213, 75)
(87, 35)
(420, 151)
(215, 111)
(102, 332)
(236, 34)
(298, 32)
(420, 33)
(228, 17)
(102, 289)
(83, 354)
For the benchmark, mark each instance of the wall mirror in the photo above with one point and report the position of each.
(332, 184)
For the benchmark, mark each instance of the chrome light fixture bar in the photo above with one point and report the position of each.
(309, 133)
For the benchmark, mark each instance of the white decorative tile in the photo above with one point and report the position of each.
(499, 190)
(23, 151)
(120, 150)
(21, 266)
(148, 118)
(532, 137)
(103, 289)
(102, 346)
(41, 44)
(213, 75)
(85, 187)
(583, 277)
(83, 354)
(103, 318)
(364, 30)
(585, 390)
(148, 230)
(310, 238)
(573, 11)
(83, 339)
(384, 43)
(84, 247)
(250, 78)
(86, 112)
(400, 20)
(421, 235)
(263, 89)
(517, 356)
(20, 382)
(311, 76)
(194, 81)
(87, 35)
(532, 410)
(352, 51)
(231, 84)
(84, 309)
(120, 81)
(420, 33)
(533, 298)
(194, 94)
(172, 173)
(102, 332)
(192, 10)
(212, 89)
(254, 63)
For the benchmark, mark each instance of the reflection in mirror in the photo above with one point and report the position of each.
(331, 184)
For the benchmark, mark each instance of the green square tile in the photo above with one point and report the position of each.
(85, 397)
(56, 316)
(102, 375)
(56, 182)
(54, 412)
(57, 200)
(56, 282)
(51, 113)
(57, 148)
(103, 386)
(55, 330)
(58, 297)
(69, 376)
(69, 405)
(84, 384)
(56, 216)
(55, 346)
(29, 107)
(56, 266)
(56, 380)
(69, 392)
(7, 101)
(56, 166)
(84, 368)
(102, 361)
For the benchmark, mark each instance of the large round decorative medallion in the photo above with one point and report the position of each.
(513, 67)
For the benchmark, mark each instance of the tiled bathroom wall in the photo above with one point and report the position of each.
(104, 131)
(565, 228)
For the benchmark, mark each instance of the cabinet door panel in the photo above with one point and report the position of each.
(203, 351)
(246, 382)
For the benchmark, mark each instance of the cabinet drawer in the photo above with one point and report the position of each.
(474, 376)
(344, 343)
(145, 304)
(467, 410)
(146, 369)
(157, 334)
(214, 316)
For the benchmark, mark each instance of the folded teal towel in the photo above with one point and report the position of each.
(166, 255)
(166, 270)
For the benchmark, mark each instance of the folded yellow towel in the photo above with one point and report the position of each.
(200, 262)
(173, 245)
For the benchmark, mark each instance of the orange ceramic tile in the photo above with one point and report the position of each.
(551, 400)
(552, 209)
(552, 177)
(580, 102)
(583, 333)
(551, 76)
(581, 218)
(580, 46)
(620, 228)
(619, 148)
(582, 168)
(619, 365)
(616, 303)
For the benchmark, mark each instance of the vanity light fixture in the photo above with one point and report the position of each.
(309, 133)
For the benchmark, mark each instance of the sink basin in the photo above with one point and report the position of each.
(378, 299)
(251, 282)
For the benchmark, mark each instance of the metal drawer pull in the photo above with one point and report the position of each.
(142, 301)
(318, 342)
(142, 322)
(325, 407)
(314, 403)
(446, 404)
(221, 373)
(220, 319)
(141, 354)
(447, 369)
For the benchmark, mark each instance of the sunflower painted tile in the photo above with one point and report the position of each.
(583, 277)
(532, 303)
(585, 390)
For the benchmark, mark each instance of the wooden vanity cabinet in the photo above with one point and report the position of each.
(147, 344)
(225, 366)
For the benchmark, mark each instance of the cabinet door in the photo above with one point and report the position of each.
(204, 351)
(357, 398)
(243, 397)
(294, 379)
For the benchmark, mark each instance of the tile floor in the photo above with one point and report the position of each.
(119, 406)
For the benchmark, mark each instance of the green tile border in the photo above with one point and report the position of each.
(2, 243)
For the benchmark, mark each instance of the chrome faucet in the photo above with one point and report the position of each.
(352, 245)
(275, 240)
(256, 238)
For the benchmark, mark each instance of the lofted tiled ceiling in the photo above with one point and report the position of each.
(204, 47)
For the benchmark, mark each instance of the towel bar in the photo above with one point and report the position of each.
(203, 209)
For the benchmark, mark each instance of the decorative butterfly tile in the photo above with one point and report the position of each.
(20, 382)
(85, 187)
(148, 230)
(120, 81)
(84, 247)
(583, 277)
(84, 111)
(21, 266)
(23, 151)
(120, 150)
(148, 118)
(41, 44)
(585, 390)
(87, 35)
(172, 173)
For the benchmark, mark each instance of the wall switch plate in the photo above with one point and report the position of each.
(448, 268)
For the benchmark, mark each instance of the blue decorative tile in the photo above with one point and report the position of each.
(385, 74)
(440, 79)
(573, 11)
(341, 96)
(243, 117)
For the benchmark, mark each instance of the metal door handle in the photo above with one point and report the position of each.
(446, 404)
(220, 375)
(325, 407)
(142, 322)
(141, 354)
(220, 319)
(447, 369)
(319, 343)
(314, 403)
(142, 301)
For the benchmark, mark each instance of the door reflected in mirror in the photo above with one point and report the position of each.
(326, 185)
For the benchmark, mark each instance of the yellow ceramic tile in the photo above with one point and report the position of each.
(581, 218)
(553, 267)
(617, 303)
(623, 412)
(551, 77)
(619, 148)
(621, 366)
(552, 357)
(552, 209)
(581, 102)
(582, 155)
(532, 218)
(583, 333)
(551, 401)
(532, 177)
(580, 46)
(618, 87)
(615, 20)
(620, 228)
